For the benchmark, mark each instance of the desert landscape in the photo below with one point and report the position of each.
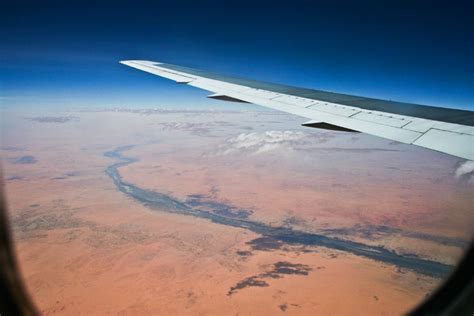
(236, 212)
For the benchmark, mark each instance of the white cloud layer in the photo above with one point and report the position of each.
(257, 143)
(466, 172)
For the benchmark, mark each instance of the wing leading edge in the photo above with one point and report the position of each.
(446, 130)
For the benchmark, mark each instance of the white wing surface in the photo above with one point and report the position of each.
(446, 130)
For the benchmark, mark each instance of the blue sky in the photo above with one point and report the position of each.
(66, 53)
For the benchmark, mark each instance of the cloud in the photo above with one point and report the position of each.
(53, 119)
(257, 143)
(199, 129)
(465, 172)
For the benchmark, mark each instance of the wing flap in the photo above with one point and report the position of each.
(421, 125)
(382, 119)
(461, 145)
(292, 100)
(336, 109)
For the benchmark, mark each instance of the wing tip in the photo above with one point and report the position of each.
(133, 61)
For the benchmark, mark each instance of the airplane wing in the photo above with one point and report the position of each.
(446, 130)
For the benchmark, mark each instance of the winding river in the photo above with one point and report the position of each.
(287, 235)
